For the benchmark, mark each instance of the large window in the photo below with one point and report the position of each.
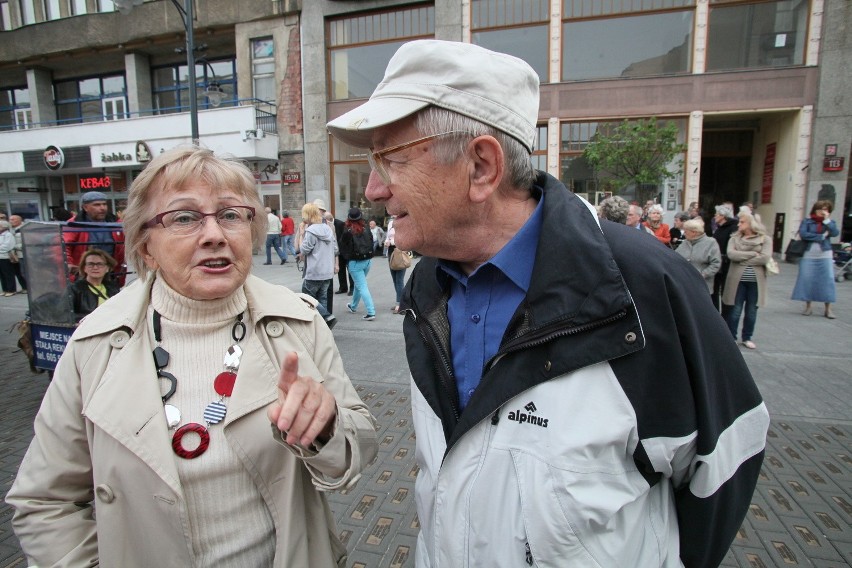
(77, 7)
(516, 27)
(28, 11)
(633, 44)
(539, 155)
(15, 111)
(91, 100)
(5, 16)
(171, 85)
(770, 34)
(51, 8)
(350, 173)
(361, 46)
(263, 69)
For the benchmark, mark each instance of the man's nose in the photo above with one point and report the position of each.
(376, 190)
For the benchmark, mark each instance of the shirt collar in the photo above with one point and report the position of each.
(515, 260)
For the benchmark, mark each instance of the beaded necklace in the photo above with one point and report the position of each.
(223, 384)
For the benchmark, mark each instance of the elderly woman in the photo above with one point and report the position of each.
(815, 281)
(749, 249)
(93, 289)
(701, 251)
(159, 412)
(656, 225)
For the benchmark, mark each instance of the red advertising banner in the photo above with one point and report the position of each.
(768, 174)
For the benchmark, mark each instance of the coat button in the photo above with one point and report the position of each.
(119, 339)
(274, 328)
(104, 493)
(547, 365)
(630, 337)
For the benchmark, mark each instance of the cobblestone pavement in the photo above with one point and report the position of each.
(800, 515)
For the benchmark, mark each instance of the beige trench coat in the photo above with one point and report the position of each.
(747, 251)
(101, 443)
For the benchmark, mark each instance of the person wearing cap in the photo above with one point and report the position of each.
(726, 225)
(546, 432)
(95, 210)
(356, 245)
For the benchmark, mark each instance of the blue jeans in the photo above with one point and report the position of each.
(274, 241)
(318, 290)
(746, 296)
(398, 277)
(287, 245)
(358, 270)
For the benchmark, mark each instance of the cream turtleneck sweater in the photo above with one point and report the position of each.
(230, 523)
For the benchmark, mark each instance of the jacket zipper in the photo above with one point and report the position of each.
(545, 335)
(439, 354)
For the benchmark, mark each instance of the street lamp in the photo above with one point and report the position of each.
(125, 6)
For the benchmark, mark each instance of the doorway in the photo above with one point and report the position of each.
(725, 168)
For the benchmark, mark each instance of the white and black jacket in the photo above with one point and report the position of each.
(617, 426)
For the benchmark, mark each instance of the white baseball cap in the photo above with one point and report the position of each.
(494, 88)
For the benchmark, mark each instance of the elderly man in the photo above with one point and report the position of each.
(95, 210)
(548, 431)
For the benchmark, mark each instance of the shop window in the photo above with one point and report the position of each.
(77, 7)
(5, 16)
(539, 155)
(361, 46)
(263, 69)
(516, 27)
(627, 46)
(15, 111)
(350, 174)
(171, 90)
(91, 100)
(770, 34)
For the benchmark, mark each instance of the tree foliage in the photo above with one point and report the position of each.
(634, 152)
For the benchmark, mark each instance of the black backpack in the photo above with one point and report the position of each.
(361, 247)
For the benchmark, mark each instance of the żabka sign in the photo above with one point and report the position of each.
(54, 159)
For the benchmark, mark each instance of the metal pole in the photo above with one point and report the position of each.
(190, 62)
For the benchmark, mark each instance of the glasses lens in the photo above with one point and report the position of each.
(233, 217)
(378, 167)
(182, 222)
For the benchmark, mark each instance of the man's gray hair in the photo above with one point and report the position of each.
(615, 209)
(435, 120)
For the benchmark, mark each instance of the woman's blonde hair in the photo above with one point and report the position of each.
(173, 171)
(696, 224)
(754, 222)
(311, 214)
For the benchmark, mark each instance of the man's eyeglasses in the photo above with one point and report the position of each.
(96, 264)
(376, 159)
(189, 221)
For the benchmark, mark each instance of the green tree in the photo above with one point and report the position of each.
(634, 152)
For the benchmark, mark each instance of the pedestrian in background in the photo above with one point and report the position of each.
(20, 268)
(357, 245)
(615, 209)
(815, 281)
(7, 255)
(749, 249)
(654, 222)
(378, 237)
(318, 249)
(288, 231)
(700, 251)
(676, 232)
(536, 339)
(397, 274)
(273, 237)
(726, 225)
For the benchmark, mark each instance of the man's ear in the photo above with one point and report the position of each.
(487, 167)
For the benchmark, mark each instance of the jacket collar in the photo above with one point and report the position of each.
(128, 308)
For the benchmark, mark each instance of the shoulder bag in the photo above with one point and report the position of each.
(399, 259)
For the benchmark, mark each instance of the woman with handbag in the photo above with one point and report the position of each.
(749, 249)
(399, 261)
(815, 281)
(7, 257)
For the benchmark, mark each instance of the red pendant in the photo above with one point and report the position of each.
(177, 440)
(224, 383)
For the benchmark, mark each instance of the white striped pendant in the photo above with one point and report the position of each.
(215, 412)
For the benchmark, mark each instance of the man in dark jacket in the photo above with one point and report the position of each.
(576, 399)
(95, 209)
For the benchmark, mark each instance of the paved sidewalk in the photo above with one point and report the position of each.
(801, 513)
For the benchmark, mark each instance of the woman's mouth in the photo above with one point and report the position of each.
(215, 263)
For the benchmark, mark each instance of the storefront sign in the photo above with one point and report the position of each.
(116, 157)
(292, 177)
(833, 164)
(88, 183)
(54, 158)
(830, 150)
(143, 152)
(768, 174)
